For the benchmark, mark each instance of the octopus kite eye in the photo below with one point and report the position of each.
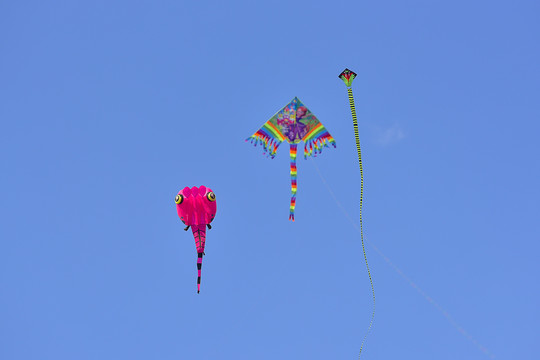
(178, 199)
(211, 196)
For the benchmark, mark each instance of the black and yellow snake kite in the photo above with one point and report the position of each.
(348, 76)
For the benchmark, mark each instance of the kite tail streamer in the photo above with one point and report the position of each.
(348, 76)
(293, 149)
(269, 137)
(199, 266)
(199, 232)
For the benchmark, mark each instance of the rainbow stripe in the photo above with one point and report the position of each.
(269, 137)
(293, 149)
(316, 139)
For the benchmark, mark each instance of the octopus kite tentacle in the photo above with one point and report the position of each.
(348, 76)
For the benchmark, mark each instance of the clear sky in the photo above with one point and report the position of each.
(108, 108)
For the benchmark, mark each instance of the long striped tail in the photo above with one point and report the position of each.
(199, 233)
(348, 76)
(357, 138)
(293, 149)
(199, 266)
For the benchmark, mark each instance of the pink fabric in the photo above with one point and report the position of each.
(199, 234)
(196, 209)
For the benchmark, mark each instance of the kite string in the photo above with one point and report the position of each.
(357, 138)
(428, 298)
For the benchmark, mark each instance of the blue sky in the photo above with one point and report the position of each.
(109, 108)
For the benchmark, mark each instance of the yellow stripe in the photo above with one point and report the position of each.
(316, 128)
(276, 131)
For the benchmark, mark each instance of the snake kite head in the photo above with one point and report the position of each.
(196, 206)
(347, 76)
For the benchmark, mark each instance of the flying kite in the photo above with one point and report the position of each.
(196, 208)
(348, 76)
(293, 123)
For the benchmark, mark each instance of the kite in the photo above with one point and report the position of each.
(293, 123)
(348, 76)
(196, 208)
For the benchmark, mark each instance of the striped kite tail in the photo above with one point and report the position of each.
(348, 76)
(199, 266)
(293, 149)
(199, 233)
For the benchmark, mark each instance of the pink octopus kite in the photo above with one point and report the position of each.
(196, 207)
